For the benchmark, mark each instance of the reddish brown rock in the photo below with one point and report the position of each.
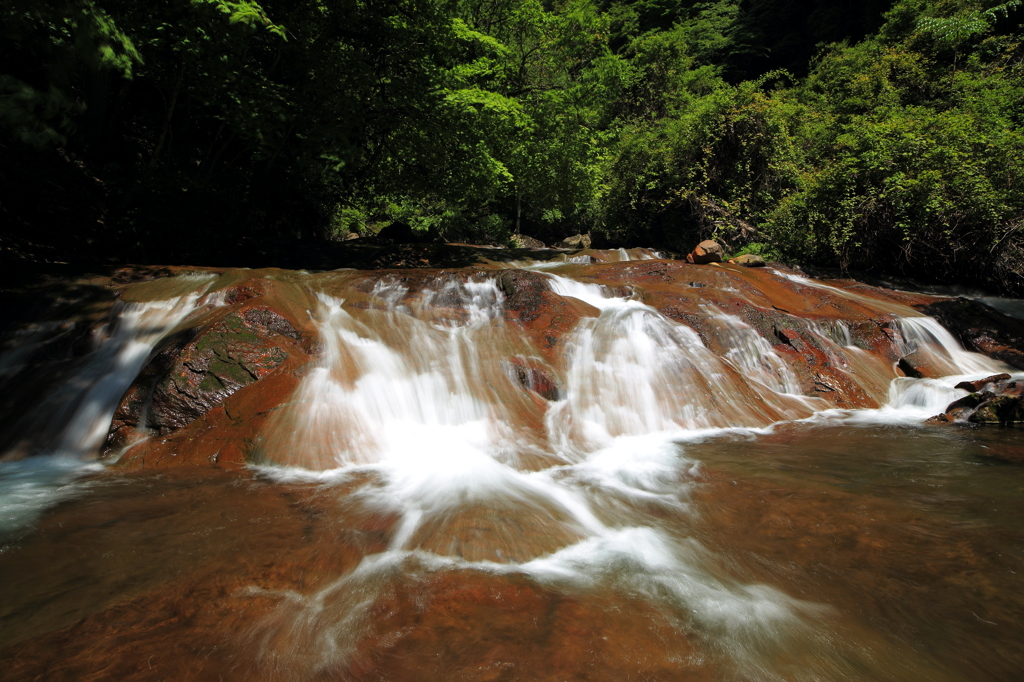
(706, 252)
(545, 316)
(529, 374)
(917, 366)
(975, 386)
(199, 368)
(172, 568)
(474, 625)
(192, 394)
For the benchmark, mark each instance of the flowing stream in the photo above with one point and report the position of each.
(438, 499)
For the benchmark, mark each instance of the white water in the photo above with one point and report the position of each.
(930, 337)
(408, 414)
(72, 424)
(122, 347)
(30, 486)
(752, 354)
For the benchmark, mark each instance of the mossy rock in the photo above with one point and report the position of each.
(1005, 409)
(199, 368)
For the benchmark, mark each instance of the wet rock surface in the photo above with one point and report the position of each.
(768, 554)
(981, 328)
(191, 398)
(225, 374)
(546, 317)
(997, 399)
(532, 376)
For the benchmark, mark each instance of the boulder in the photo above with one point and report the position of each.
(1004, 409)
(198, 369)
(748, 260)
(1002, 402)
(577, 241)
(396, 233)
(961, 409)
(543, 315)
(706, 252)
(526, 242)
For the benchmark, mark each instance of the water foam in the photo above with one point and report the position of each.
(406, 402)
(30, 486)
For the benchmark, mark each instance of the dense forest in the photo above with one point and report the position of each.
(869, 136)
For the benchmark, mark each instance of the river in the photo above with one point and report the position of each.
(618, 488)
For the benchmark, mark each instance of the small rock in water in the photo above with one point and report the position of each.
(975, 386)
(532, 377)
(706, 252)
(1001, 403)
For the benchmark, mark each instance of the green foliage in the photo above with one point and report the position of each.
(874, 135)
(953, 31)
(46, 48)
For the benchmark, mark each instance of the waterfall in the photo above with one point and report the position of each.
(450, 440)
(73, 421)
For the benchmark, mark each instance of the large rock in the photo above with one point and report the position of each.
(545, 316)
(199, 368)
(706, 252)
(1004, 409)
(975, 386)
(577, 241)
(526, 242)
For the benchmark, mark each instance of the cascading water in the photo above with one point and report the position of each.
(435, 433)
(407, 400)
(413, 403)
(73, 422)
(753, 355)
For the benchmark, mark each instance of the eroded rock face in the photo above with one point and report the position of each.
(545, 316)
(240, 349)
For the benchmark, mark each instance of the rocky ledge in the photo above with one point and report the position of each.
(208, 389)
